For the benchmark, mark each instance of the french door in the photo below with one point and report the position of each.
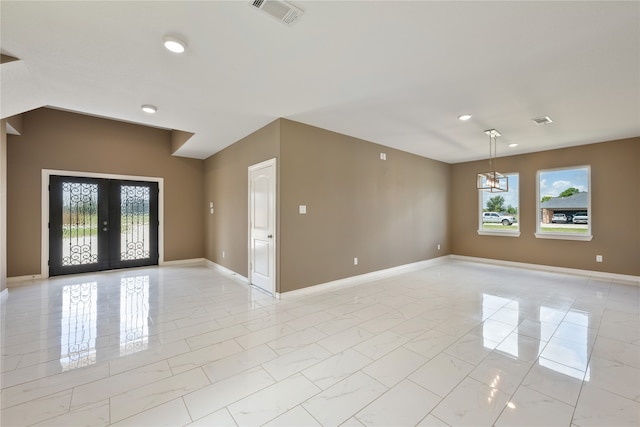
(100, 224)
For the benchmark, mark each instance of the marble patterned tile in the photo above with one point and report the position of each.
(336, 368)
(140, 399)
(202, 356)
(96, 391)
(521, 346)
(395, 366)
(471, 348)
(172, 413)
(345, 339)
(555, 380)
(273, 401)
(216, 396)
(617, 351)
(597, 407)
(221, 418)
(294, 362)
(570, 353)
(471, 403)
(380, 344)
(52, 384)
(501, 371)
(291, 342)
(528, 408)
(239, 362)
(615, 377)
(339, 402)
(404, 405)
(441, 374)
(432, 421)
(362, 350)
(295, 417)
(430, 343)
(414, 327)
(36, 410)
(93, 415)
(217, 336)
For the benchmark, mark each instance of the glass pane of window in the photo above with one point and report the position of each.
(499, 211)
(564, 201)
(134, 220)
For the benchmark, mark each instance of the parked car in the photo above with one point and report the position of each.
(497, 218)
(559, 218)
(581, 218)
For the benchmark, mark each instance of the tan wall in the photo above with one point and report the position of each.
(615, 203)
(53, 139)
(226, 185)
(386, 213)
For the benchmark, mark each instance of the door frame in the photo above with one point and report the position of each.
(274, 261)
(44, 233)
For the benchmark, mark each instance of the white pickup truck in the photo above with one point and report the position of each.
(497, 218)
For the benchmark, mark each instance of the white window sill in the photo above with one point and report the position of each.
(499, 233)
(565, 236)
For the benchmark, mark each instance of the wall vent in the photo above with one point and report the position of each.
(278, 9)
(542, 120)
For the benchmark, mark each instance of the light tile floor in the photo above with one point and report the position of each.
(454, 344)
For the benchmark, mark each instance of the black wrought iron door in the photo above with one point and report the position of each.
(101, 224)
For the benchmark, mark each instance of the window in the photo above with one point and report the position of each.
(564, 204)
(499, 212)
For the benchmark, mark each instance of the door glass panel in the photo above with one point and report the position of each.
(134, 222)
(79, 223)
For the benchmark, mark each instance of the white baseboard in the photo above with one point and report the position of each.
(4, 295)
(182, 262)
(224, 270)
(15, 281)
(363, 278)
(619, 278)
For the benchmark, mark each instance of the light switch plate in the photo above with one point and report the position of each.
(302, 209)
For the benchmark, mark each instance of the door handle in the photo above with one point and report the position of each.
(270, 236)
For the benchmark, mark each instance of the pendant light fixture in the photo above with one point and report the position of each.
(492, 181)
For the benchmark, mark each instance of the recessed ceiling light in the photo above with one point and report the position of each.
(148, 108)
(513, 145)
(174, 44)
(464, 117)
(542, 120)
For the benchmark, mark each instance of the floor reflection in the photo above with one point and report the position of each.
(566, 353)
(79, 322)
(134, 314)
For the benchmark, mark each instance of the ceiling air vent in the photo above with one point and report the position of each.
(280, 10)
(542, 120)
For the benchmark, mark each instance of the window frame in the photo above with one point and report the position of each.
(480, 211)
(539, 234)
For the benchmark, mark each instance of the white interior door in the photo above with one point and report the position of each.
(262, 225)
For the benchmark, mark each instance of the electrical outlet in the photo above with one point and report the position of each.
(383, 156)
(222, 254)
(355, 261)
(598, 258)
(438, 246)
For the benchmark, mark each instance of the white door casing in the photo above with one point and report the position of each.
(262, 225)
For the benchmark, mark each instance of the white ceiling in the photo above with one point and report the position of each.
(391, 72)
